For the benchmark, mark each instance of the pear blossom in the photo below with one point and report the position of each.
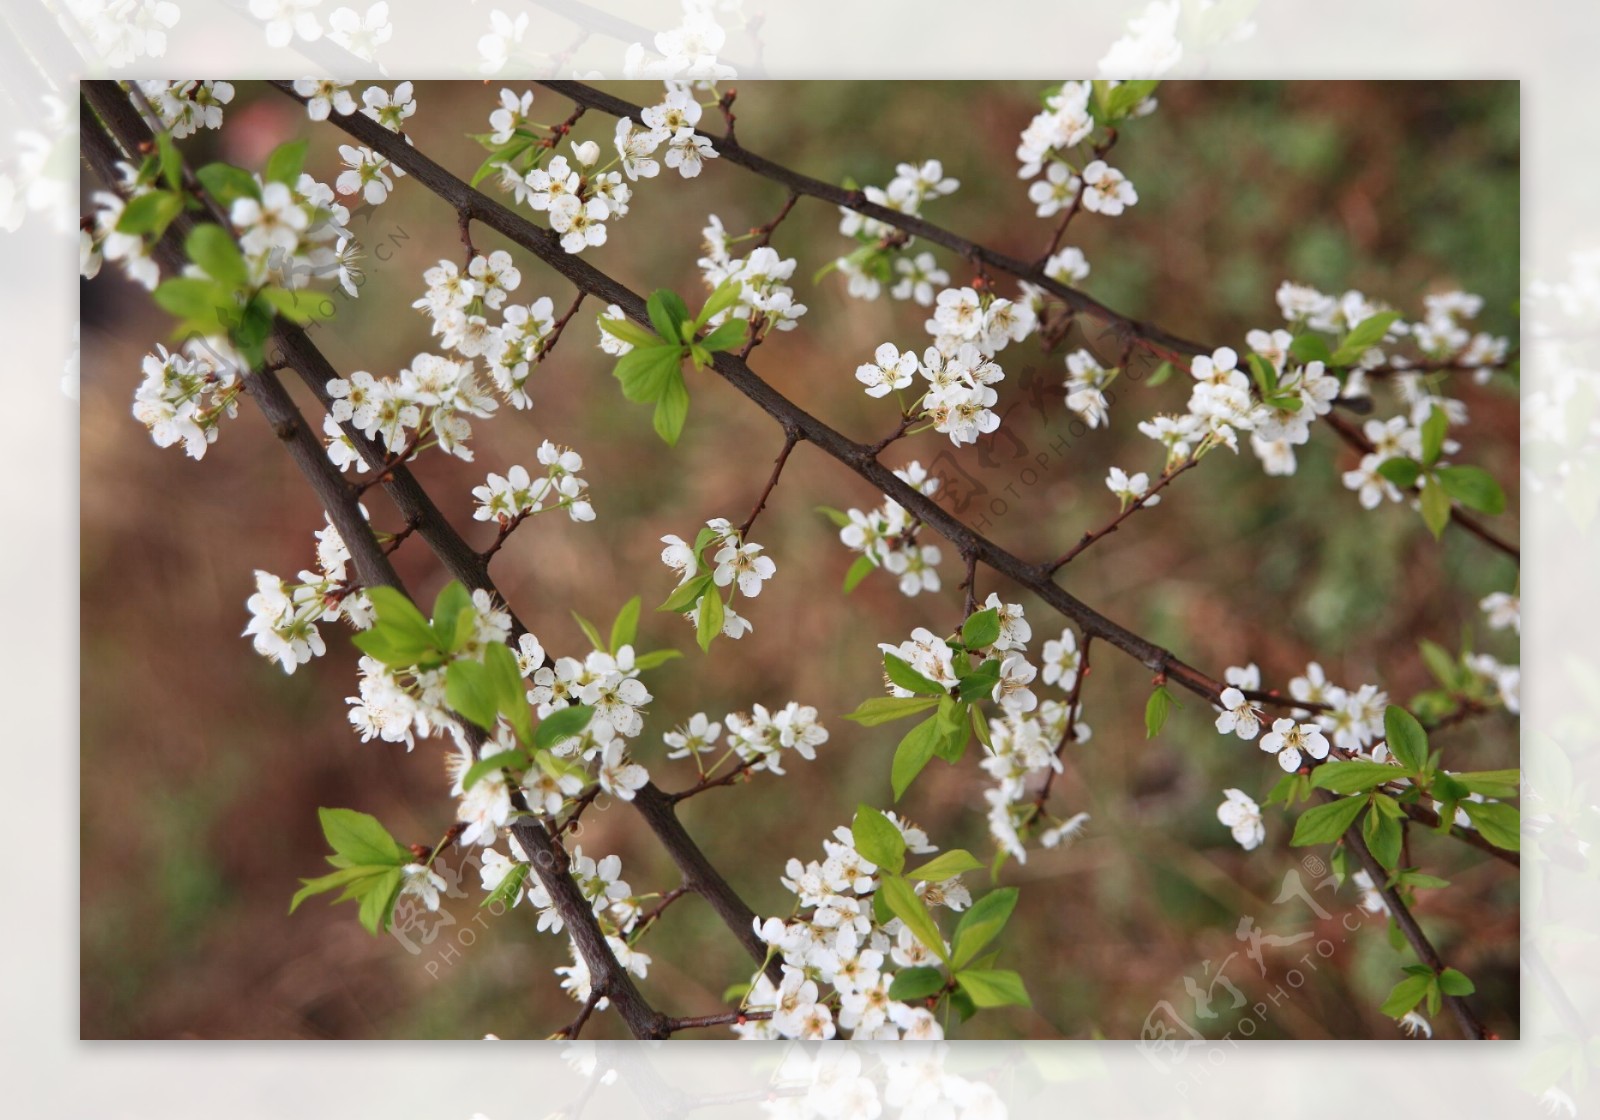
(324, 96)
(1238, 716)
(1289, 740)
(1106, 190)
(1243, 816)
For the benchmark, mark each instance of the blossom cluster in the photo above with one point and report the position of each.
(766, 298)
(104, 242)
(517, 494)
(686, 52)
(579, 195)
(888, 536)
(284, 616)
(432, 398)
(185, 395)
(401, 705)
(1051, 150)
(185, 107)
(839, 961)
(740, 566)
(618, 910)
(883, 255)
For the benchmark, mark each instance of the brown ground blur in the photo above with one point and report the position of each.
(203, 765)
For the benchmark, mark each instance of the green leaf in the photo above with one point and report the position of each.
(1435, 506)
(211, 247)
(980, 725)
(878, 840)
(979, 684)
(913, 753)
(1291, 788)
(562, 724)
(1474, 488)
(859, 571)
(1161, 376)
(227, 184)
(300, 307)
(590, 631)
(150, 213)
(632, 333)
(726, 337)
(725, 296)
(1454, 983)
(1323, 824)
(645, 371)
(378, 903)
(510, 693)
(957, 861)
(400, 636)
(285, 162)
(470, 691)
(902, 674)
(655, 658)
(1496, 822)
(672, 408)
(998, 987)
(1367, 334)
(982, 630)
(886, 709)
(667, 313)
(905, 904)
(1401, 471)
(1310, 348)
(197, 300)
(1434, 429)
(1490, 783)
(981, 924)
(951, 719)
(1264, 373)
(493, 764)
(625, 627)
(916, 983)
(686, 595)
(340, 878)
(1155, 712)
(454, 617)
(709, 624)
(1353, 776)
(508, 888)
(361, 838)
(170, 162)
(1408, 742)
(503, 154)
(1383, 836)
(1441, 663)
(1120, 100)
(839, 518)
(1406, 995)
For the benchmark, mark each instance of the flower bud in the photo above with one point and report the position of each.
(586, 153)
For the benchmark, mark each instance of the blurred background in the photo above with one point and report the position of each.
(202, 765)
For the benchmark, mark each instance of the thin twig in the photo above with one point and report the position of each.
(1357, 439)
(1069, 734)
(791, 436)
(767, 230)
(574, 1028)
(722, 1019)
(713, 782)
(1116, 522)
(1470, 1024)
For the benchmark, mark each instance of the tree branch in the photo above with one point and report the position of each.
(1470, 1024)
(370, 561)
